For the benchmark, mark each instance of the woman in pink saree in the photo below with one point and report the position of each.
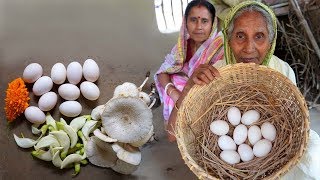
(199, 42)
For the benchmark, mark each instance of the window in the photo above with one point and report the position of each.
(169, 14)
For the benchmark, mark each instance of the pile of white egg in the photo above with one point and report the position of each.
(248, 141)
(69, 91)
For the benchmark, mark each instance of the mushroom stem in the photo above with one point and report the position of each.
(153, 89)
(145, 81)
(153, 102)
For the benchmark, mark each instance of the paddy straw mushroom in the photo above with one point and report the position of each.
(127, 119)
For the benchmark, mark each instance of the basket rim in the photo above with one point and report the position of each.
(199, 171)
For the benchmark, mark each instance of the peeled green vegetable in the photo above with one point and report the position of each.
(24, 142)
(43, 155)
(77, 123)
(47, 141)
(88, 128)
(50, 121)
(72, 158)
(71, 133)
(63, 140)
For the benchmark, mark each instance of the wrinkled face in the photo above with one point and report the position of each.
(249, 40)
(199, 23)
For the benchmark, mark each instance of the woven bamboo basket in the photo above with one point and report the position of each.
(246, 86)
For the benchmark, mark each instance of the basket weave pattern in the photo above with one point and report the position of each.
(246, 86)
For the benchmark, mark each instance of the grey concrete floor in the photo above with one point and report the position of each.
(122, 37)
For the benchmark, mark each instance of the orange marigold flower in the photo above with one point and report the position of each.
(17, 99)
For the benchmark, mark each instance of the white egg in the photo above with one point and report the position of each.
(240, 134)
(32, 73)
(69, 91)
(230, 157)
(42, 86)
(268, 131)
(226, 143)
(48, 101)
(91, 70)
(70, 108)
(35, 115)
(245, 152)
(89, 90)
(219, 127)
(250, 117)
(234, 115)
(262, 148)
(74, 72)
(58, 73)
(254, 134)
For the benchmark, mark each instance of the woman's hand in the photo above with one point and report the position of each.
(174, 94)
(204, 74)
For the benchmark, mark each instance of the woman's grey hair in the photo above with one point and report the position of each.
(253, 8)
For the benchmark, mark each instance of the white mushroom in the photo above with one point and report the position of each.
(129, 89)
(145, 97)
(96, 112)
(129, 158)
(100, 153)
(125, 90)
(127, 119)
(103, 137)
(144, 140)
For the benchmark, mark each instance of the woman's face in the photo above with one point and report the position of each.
(199, 24)
(250, 38)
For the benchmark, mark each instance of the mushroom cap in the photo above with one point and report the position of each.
(96, 112)
(127, 119)
(145, 97)
(103, 137)
(129, 158)
(144, 140)
(126, 89)
(129, 154)
(100, 153)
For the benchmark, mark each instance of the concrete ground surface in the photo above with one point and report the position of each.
(122, 37)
